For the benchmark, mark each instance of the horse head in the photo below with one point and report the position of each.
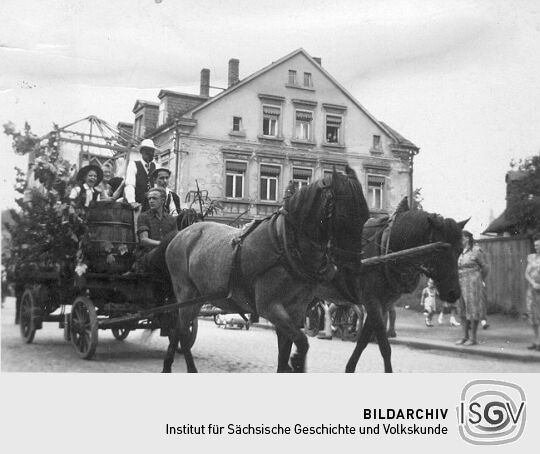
(443, 267)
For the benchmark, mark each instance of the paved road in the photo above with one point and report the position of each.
(218, 350)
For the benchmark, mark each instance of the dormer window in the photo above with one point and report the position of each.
(162, 116)
(292, 77)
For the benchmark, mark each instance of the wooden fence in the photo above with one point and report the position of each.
(506, 284)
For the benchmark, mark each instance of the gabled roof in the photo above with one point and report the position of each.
(501, 225)
(142, 103)
(279, 62)
(400, 140)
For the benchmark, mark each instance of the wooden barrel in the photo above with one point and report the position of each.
(111, 242)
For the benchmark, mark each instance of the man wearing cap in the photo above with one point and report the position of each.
(172, 201)
(138, 180)
(86, 191)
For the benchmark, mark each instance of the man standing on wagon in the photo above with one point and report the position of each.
(138, 176)
(160, 177)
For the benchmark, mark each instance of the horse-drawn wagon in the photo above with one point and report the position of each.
(107, 295)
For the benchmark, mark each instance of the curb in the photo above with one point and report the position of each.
(491, 352)
(477, 350)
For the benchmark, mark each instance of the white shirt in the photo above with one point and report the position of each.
(89, 194)
(129, 188)
(172, 206)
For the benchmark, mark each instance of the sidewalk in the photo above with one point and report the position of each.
(506, 338)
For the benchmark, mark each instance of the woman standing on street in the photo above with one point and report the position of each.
(532, 274)
(473, 270)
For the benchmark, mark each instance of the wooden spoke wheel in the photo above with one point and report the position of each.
(193, 328)
(120, 333)
(314, 319)
(27, 316)
(84, 327)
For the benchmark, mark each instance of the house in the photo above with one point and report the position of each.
(291, 120)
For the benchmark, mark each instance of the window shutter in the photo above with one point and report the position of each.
(236, 166)
(270, 171)
(333, 121)
(304, 116)
(376, 180)
(302, 173)
(271, 111)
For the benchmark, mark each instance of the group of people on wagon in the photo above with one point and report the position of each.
(145, 188)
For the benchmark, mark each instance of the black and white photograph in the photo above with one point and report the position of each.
(238, 188)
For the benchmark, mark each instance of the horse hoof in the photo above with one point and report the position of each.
(298, 364)
(391, 334)
(166, 371)
(350, 370)
(284, 370)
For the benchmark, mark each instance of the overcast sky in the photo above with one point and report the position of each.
(461, 79)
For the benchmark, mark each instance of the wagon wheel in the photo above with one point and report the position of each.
(27, 316)
(193, 328)
(84, 327)
(120, 333)
(314, 317)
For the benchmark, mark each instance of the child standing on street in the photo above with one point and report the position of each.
(429, 300)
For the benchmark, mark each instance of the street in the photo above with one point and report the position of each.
(219, 350)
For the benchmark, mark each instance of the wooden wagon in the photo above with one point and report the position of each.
(107, 296)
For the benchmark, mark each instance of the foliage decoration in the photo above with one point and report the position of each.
(524, 195)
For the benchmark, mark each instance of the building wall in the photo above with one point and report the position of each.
(212, 141)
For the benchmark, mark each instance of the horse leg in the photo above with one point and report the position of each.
(184, 334)
(279, 317)
(391, 314)
(374, 313)
(172, 348)
(361, 343)
(284, 349)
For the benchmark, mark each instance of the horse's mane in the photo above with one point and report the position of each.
(301, 203)
(415, 227)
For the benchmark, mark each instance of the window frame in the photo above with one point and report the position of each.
(269, 179)
(309, 83)
(271, 118)
(372, 188)
(301, 181)
(291, 77)
(308, 123)
(235, 174)
(340, 140)
(137, 126)
(239, 124)
(162, 112)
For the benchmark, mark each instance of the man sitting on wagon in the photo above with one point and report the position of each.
(153, 225)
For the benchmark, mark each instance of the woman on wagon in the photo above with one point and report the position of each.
(86, 190)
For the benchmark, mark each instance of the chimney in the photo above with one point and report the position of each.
(234, 64)
(205, 82)
(318, 60)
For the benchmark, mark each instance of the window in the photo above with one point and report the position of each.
(292, 77)
(375, 192)
(376, 142)
(162, 117)
(237, 124)
(271, 120)
(333, 129)
(301, 177)
(303, 124)
(234, 179)
(269, 182)
(307, 80)
(137, 127)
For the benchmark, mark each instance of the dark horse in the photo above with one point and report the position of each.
(274, 267)
(384, 284)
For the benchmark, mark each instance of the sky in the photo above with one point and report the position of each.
(460, 79)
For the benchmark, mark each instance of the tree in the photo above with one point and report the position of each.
(46, 231)
(524, 195)
(416, 203)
